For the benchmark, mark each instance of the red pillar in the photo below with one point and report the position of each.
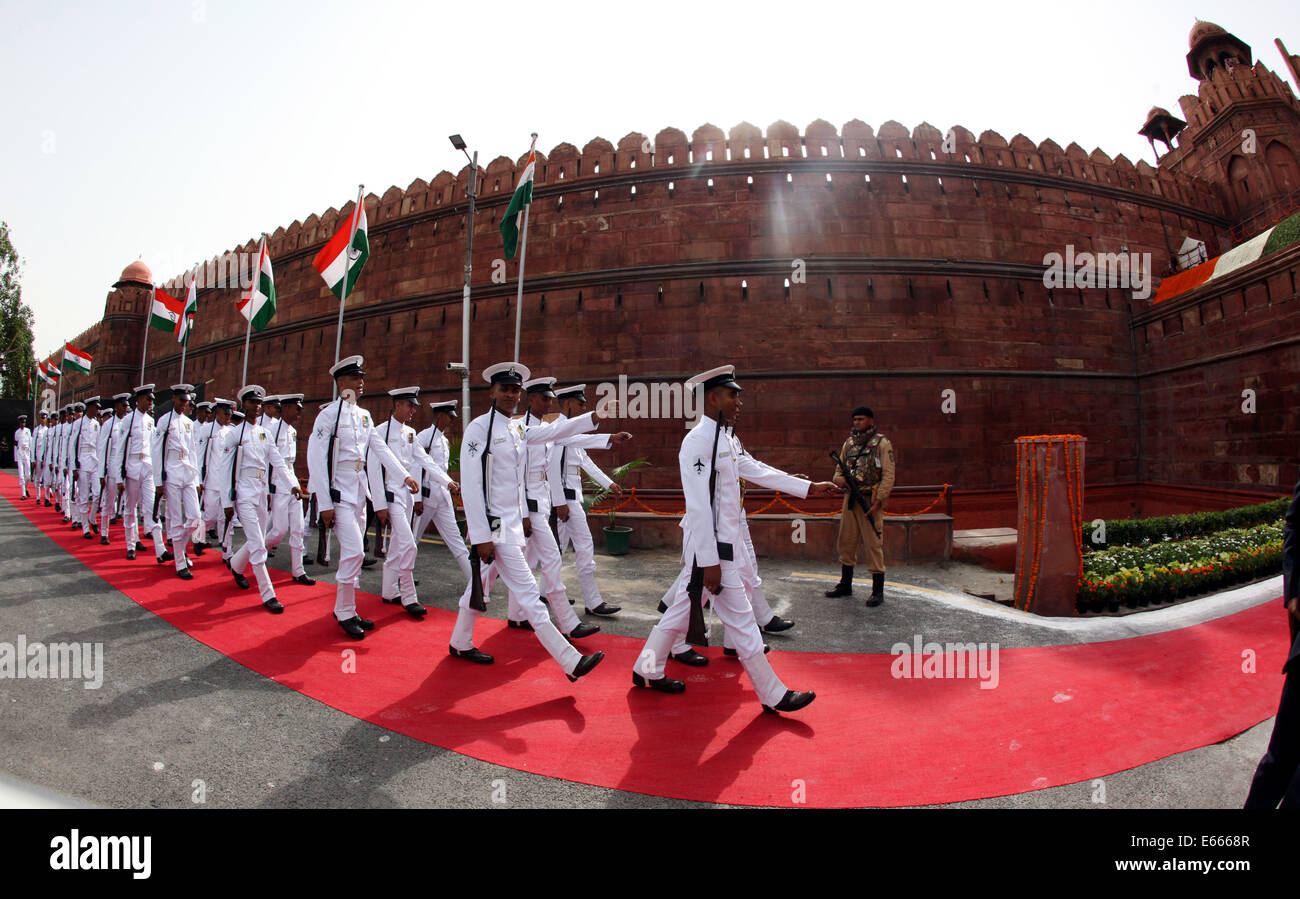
(1049, 499)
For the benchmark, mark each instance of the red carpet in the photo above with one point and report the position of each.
(1059, 715)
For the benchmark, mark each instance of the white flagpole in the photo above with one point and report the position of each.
(194, 276)
(144, 349)
(59, 398)
(347, 271)
(523, 251)
(252, 289)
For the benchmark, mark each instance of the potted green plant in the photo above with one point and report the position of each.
(617, 537)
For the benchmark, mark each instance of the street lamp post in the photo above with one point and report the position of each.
(458, 142)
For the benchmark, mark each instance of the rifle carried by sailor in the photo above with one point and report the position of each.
(695, 632)
(494, 522)
(322, 541)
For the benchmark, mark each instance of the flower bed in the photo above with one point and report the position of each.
(1163, 572)
(1140, 531)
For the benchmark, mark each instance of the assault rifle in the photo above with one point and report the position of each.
(855, 490)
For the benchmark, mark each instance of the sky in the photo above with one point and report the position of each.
(175, 130)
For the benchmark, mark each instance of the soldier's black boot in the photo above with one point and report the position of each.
(877, 589)
(845, 586)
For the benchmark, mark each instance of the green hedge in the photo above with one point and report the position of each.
(1162, 572)
(1143, 531)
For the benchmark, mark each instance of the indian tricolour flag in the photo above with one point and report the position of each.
(75, 360)
(523, 196)
(48, 373)
(259, 305)
(186, 323)
(165, 312)
(340, 255)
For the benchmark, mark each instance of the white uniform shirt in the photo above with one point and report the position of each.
(354, 435)
(567, 457)
(247, 452)
(23, 443)
(85, 445)
(401, 440)
(699, 539)
(285, 438)
(38, 444)
(505, 489)
(136, 435)
(207, 448)
(437, 446)
(177, 433)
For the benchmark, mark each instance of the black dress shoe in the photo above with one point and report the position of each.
(791, 702)
(88, 535)
(271, 553)
(520, 625)
(584, 630)
(166, 557)
(240, 580)
(130, 555)
(305, 580)
(415, 610)
(731, 653)
(368, 562)
(585, 664)
(353, 629)
(605, 609)
(273, 606)
(471, 655)
(395, 601)
(184, 574)
(75, 526)
(95, 528)
(103, 540)
(199, 549)
(662, 684)
(778, 624)
(366, 623)
(212, 534)
(415, 581)
(139, 547)
(47, 502)
(692, 658)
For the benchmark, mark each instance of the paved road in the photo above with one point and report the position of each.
(175, 723)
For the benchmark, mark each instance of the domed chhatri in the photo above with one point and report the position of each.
(1211, 48)
(137, 274)
(1202, 30)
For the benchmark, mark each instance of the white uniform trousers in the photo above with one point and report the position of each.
(514, 571)
(349, 524)
(250, 506)
(576, 531)
(541, 550)
(287, 520)
(733, 608)
(65, 492)
(214, 518)
(182, 519)
(399, 561)
(753, 591)
(24, 471)
(443, 516)
(107, 504)
(139, 497)
(87, 493)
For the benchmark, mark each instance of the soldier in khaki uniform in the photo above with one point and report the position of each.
(870, 457)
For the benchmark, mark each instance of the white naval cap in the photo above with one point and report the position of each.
(405, 393)
(143, 390)
(186, 389)
(206, 404)
(572, 392)
(447, 406)
(272, 399)
(77, 407)
(251, 392)
(544, 386)
(93, 401)
(292, 399)
(507, 373)
(722, 376)
(237, 416)
(222, 401)
(352, 365)
(121, 397)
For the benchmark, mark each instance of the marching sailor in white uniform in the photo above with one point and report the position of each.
(492, 461)
(393, 503)
(176, 463)
(711, 467)
(85, 463)
(138, 475)
(341, 437)
(286, 509)
(247, 455)
(23, 453)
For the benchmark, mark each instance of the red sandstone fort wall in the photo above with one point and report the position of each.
(923, 274)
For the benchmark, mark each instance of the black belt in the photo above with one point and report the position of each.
(725, 552)
(425, 492)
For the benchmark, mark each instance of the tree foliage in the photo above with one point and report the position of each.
(16, 320)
